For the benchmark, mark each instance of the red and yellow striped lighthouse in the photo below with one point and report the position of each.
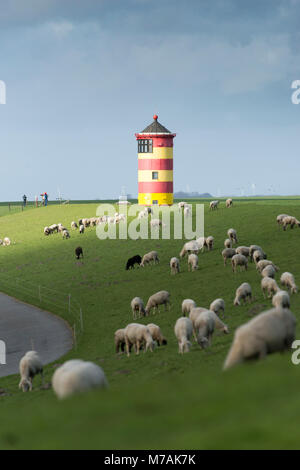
(155, 164)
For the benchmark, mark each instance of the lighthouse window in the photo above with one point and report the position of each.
(145, 146)
(155, 175)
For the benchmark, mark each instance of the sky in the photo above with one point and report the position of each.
(82, 77)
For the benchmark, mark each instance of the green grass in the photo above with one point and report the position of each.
(160, 400)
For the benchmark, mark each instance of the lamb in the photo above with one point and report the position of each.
(190, 247)
(229, 202)
(74, 225)
(78, 252)
(209, 243)
(159, 298)
(148, 257)
(132, 261)
(232, 235)
(228, 243)
(138, 335)
(120, 340)
(77, 376)
(269, 285)
(156, 334)
(227, 254)
(137, 307)
(217, 306)
(213, 205)
(281, 299)
(263, 263)
(183, 331)
(243, 292)
(268, 271)
(174, 265)
(243, 250)
(192, 262)
(81, 228)
(187, 305)
(289, 220)
(288, 280)
(29, 366)
(65, 234)
(268, 332)
(239, 260)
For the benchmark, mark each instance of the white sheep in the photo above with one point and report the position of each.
(217, 306)
(6, 241)
(290, 220)
(74, 225)
(65, 234)
(159, 298)
(258, 255)
(253, 248)
(148, 257)
(29, 366)
(280, 218)
(120, 340)
(138, 335)
(227, 254)
(182, 204)
(243, 292)
(156, 223)
(47, 231)
(187, 305)
(81, 228)
(183, 331)
(268, 332)
(193, 315)
(268, 271)
(239, 260)
(190, 247)
(192, 262)
(288, 280)
(263, 263)
(204, 325)
(229, 202)
(209, 243)
(243, 250)
(137, 307)
(232, 235)
(213, 205)
(174, 265)
(77, 376)
(281, 299)
(187, 211)
(269, 285)
(228, 243)
(156, 334)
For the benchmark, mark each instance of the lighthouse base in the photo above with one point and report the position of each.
(160, 199)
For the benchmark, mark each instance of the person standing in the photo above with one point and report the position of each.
(24, 200)
(46, 199)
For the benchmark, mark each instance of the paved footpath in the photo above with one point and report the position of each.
(24, 327)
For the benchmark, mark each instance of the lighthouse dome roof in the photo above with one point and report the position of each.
(155, 128)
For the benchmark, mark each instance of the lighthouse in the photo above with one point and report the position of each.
(155, 164)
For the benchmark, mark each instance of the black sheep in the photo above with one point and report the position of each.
(78, 252)
(132, 261)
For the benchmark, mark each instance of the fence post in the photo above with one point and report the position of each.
(81, 319)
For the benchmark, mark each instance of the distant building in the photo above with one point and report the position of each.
(155, 165)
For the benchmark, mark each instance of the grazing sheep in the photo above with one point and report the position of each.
(227, 254)
(137, 307)
(268, 332)
(229, 202)
(148, 257)
(156, 223)
(138, 335)
(217, 306)
(142, 214)
(288, 280)
(192, 262)
(53, 228)
(77, 376)
(183, 331)
(132, 261)
(187, 305)
(228, 243)
(243, 292)
(209, 243)
(174, 265)
(280, 218)
(78, 252)
(187, 211)
(232, 235)
(258, 255)
(213, 205)
(243, 250)
(254, 248)
(6, 241)
(201, 241)
(269, 285)
(156, 334)
(81, 228)
(219, 325)
(281, 299)
(47, 231)
(263, 263)
(29, 366)
(239, 260)
(193, 315)
(65, 234)
(268, 271)
(190, 247)
(289, 220)
(204, 326)
(182, 204)
(74, 226)
(120, 340)
(159, 298)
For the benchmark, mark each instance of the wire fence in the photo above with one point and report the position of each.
(61, 304)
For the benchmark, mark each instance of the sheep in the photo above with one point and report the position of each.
(193, 315)
(192, 262)
(239, 260)
(78, 252)
(86, 223)
(268, 271)
(6, 241)
(138, 335)
(60, 228)
(81, 228)
(187, 211)
(263, 263)
(243, 250)
(204, 326)
(174, 265)
(268, 332)
(74, 226)
(156, 334)
(29, 366)
(53, 227)
(252, 249)
(159, 298)
(280, 218)
(156, 223)
(219, 325)
(217, 305)
(47, 231)
(77, 376)
(289, 220)
(281, 299)
(120, 340)
(243, 292)
(65, 234)
(270, 285)
(229, 202)
(132, 261)
(182, 204)
(148, 257)
(187, 305)
(227, 254)
(201, 241)
(213, 205)
(228, 243)
(137, 307)
(232, 235)
(183, 331)
(209, 243)
(142, 214)
(258, 255)
(190, 247)
(288, 280)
